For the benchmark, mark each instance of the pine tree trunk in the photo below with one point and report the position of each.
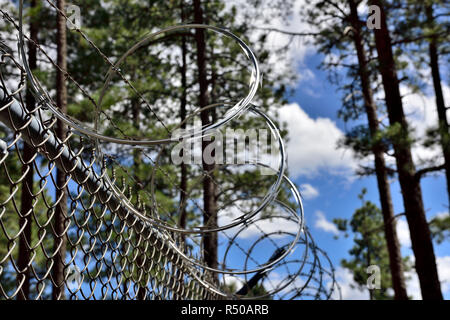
(26, 210)
(182, 219)
(411, 191)
(395, 258)
(209, 188)
(137, 162)
(440, 104)
(183, 104)
(61, 193)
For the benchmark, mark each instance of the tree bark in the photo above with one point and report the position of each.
(58, 292)
(137, 162)
(27, 195)
(411, 191)
(440, 103)
(393, 245)
(183, 104)
(209, 188)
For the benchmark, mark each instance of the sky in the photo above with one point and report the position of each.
(330, 191)
(326, 175)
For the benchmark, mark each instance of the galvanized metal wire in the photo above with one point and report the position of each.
(107, 245)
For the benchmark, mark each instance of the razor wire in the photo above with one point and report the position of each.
(120, 245)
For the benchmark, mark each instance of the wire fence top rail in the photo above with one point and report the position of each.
(93, 237)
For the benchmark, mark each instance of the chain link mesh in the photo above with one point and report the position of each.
(109, 253)
(77, 239)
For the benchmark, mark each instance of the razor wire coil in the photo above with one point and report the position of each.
(114, 248)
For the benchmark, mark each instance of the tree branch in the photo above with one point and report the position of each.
(291, 33)
(425, 36)
(381, 227)
(420, 173)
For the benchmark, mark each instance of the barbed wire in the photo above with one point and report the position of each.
(122, 242)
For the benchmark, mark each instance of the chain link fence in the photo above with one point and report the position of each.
(66, 234)
(98, 250)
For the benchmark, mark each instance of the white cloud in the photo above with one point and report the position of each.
(306, 76)
(312, 146)
(413, 285)
(308, 191)
(231, 280)
(443, 264)
(403, 233)
(276, 280)
(421, 115)
(273, 16)
(351, 291)
(323, 224)
(403, 229)
(298, 48)
(258, 228)
(349, 288)
(441, 215)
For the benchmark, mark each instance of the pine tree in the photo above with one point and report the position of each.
(210, 244)
(411, 189)
(380, 164)
(58, 292)
(424, 33)
(169, 86)
(347, 40)
(370, 248)
(29, 153)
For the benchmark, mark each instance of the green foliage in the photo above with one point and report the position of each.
(257, 291)
(10, 206)
(440, 228)
(114, 26)
(366, 226)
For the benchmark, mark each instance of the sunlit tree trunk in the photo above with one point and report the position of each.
(209, 188)
(425, 260)
(440, 103)
(395, 258)
(61, 193)
(26, 209)
(183, 104)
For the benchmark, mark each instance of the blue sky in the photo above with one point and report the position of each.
(336, 194)
(331, 186)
